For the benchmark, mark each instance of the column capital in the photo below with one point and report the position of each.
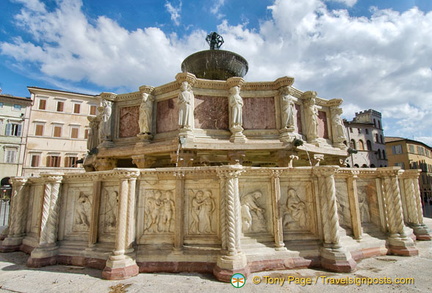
(389, 171)
(325, 171)
(52, 177)
(230, 171)
(18, 181)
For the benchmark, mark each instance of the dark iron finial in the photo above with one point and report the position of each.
(214, 40)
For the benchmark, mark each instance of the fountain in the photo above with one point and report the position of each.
(211, 173)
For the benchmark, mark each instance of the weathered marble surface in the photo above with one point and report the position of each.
(223, 219)
(259, 113)
(167, 116)
(128, 124)
(211, 112)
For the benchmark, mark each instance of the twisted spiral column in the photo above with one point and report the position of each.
(329, 212)
(17, 210)
(50, 209)
(277, 219)
(223, 220)
(44, 226)
(410, 201)
(231, 228)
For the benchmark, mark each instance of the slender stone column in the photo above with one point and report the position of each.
(277, 219)
(354, 205)
(414, 210)
(397, 241)
(94, 222)
(333, 256)
(232, 260)
(17, 216)
(46, 252)
(179, 212)
(120, 266)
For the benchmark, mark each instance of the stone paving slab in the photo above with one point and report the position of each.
(16, 277)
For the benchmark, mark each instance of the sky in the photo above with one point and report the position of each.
(372, 54)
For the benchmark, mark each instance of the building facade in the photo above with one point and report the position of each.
(366, 140)
(58, 130)
(14, 114)
(411, 154)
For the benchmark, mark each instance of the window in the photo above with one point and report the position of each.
(384, 155)
(71, 162)
(42, 104)
(53, 161)
(359, 130)
(86, 134)
(352, 144)
(13, 129)
(369, 145)
(39, 129)
(60, 106)
(367, 131)
(397, 149)
(351, 129)
(379, 124)
(17, 107)
(361, 144)
(382, 139)
(379, 154)
(420, 150)
(92, 110)
(74, 132)
(10, 155)
(35, 159)
(376, 138)
(77, 108)
(411, 149)
(57, 131)
(400, 165)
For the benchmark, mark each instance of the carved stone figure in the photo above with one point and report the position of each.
(364, 208)
(185, 101)
(166, 215)
(105, 120)
(145, 113)
(311, 113)
(338, 125)
(288, 109)
(111, 208)
(159, 212)
(93, 136)
(236, 106)
(202, 208)
(82, 210)
(253, 219)
(295, 216)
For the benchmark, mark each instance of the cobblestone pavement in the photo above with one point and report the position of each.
(417, 271)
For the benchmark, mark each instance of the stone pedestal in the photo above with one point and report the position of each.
(228, 265)
(337, 259)
(237, 135)
(119, 268)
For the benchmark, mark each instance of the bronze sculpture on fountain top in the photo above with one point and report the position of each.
(215, 63)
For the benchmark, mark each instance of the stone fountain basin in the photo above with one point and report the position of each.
(215, 64)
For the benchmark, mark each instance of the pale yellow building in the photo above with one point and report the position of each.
(411, 154)
(58, 130)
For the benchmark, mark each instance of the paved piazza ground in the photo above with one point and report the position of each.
(396, 273)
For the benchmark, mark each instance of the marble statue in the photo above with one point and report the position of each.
(311, 113)
(338, 125)
(236, 105)
(105, 120)
(82, 210)
(185, 101)
(93, 136)
(288, 109)
(145, 114)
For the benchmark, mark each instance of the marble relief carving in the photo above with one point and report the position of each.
(159, 211)
(202, 207)
(343, 208)
(364, 206)
(252, 214)
(82, 211)
(295, 216)
(110, 209)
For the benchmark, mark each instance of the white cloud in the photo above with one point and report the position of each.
(382, 62)
(215, 9)
(349, 3)
(174, 12)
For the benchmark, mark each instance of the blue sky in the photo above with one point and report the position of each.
(372, 54)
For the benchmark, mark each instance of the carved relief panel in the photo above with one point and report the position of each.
(368, 201)
(255, 206)
(297, 207)
(108, 213)
(343, 207)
